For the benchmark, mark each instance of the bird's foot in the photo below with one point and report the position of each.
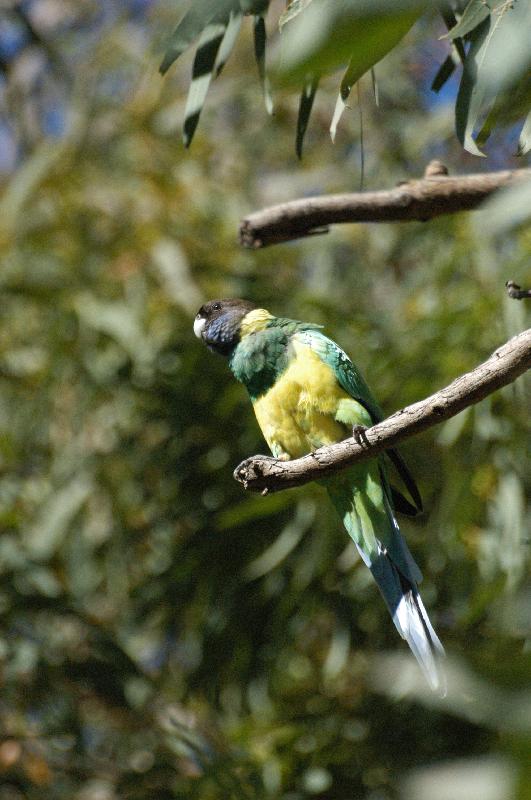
(359, 434)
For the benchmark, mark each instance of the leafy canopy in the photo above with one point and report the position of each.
(488, 40)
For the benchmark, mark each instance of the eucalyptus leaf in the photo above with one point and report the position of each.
(524, 141)
(229, 40)
(260, 39)
(349, 78)
(204, 65)
(507, 59)
(457, 52)
(295, 7)
(321, 39)
(375, 90)
(509, 108)
(475, 12)
(471, 95)
(498, 56)
(198, 16)
(444, 72)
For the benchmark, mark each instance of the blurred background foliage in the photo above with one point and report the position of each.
(163, 634)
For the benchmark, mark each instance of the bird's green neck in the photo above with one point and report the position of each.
(259, 359)
(262, 353)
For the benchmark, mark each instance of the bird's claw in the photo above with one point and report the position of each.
(360, 436)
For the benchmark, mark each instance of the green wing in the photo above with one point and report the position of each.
(348, 376)
(351, 380)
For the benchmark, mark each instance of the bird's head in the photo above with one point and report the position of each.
(218, 323)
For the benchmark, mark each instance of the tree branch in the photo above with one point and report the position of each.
(435, 194)
(265, 474)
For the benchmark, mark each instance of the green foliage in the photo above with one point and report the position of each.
(319, 37)
(164, 634)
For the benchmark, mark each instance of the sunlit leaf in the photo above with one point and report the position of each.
(507, 59)
(295, 7)
(229, 40)
(348, 80)
(475, 12)
(472, 96)
(524, 141)
(375, 90)
(498, 55)
(321, 39)
(205, 63)
(198, 16)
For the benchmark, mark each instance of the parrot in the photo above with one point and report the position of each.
(307, 393)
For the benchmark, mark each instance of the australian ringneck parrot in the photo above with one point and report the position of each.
(307, 393)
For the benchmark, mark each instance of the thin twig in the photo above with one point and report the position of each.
(435, 194)
(504, 366)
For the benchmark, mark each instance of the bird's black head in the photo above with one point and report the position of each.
(218, 322)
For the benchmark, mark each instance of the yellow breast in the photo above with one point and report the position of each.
(298, 413)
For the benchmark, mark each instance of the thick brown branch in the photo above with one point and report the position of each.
(435, 194)
(261, 473)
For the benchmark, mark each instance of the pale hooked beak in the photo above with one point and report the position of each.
(199, 326)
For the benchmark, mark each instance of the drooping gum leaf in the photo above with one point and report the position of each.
(322, 38)
(347, 82)
(294, 8)
(305, 109)
(260, 51)
(200, 14)
(471, 95)
(204, 65)
(507, 59)
(496, 64)
(524, 141)
(457, 52)
(375, 90)
(444, 72)
(475, 12)
(229, 40)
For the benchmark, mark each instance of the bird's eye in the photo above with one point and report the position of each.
(216, 307)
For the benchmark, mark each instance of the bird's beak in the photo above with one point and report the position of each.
(199, 326)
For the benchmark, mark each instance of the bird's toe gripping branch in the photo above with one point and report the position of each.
(359, 432)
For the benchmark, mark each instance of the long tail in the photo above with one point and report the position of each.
(365, 509)
(410, 617)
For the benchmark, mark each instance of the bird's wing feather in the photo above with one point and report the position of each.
(351, 380)
(348, 376)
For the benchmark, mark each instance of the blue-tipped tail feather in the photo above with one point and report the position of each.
(411, 619)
